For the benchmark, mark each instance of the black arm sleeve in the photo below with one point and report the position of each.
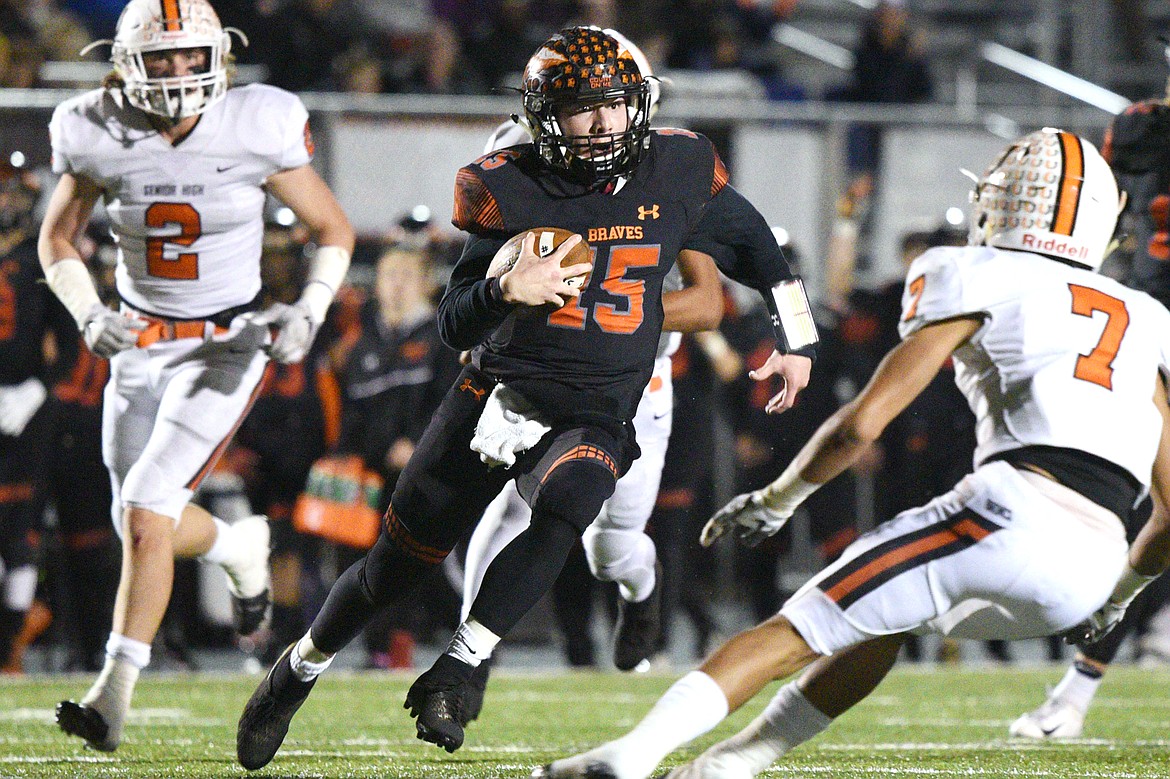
(472, 307)
(737, 236)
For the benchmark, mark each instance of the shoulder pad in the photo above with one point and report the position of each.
(476, 209)
(496, 159)
(934, 289)
(719, 175)
(272, 123)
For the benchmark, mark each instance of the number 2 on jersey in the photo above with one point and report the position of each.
(1097, 365)
(186, 264)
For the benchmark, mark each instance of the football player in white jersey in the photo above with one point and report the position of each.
(1066, 373)
(616, 545)
(182, 164)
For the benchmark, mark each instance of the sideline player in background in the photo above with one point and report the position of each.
(571, 362)
(617, 547)
(1137, 146)
(38, 345)
(1029, 544)
(182, 164)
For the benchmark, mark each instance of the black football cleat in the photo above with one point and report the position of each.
(80, 720)
(266, 717)
(248, 614)
(474, 693)
(639, 627)
(436, 699)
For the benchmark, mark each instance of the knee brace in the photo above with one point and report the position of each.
(614, 555)
(397, 561)
(574, 490)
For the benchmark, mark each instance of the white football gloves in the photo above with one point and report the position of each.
(747, 518)
(19, 403)
(107, 332)
(296, 327)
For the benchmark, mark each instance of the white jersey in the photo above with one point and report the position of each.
(1066, 357)
(188, 218)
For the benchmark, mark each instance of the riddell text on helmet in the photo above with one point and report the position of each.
(1054, 246)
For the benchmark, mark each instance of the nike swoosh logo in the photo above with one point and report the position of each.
(226, 168)
(660, 416)
(1049, 731)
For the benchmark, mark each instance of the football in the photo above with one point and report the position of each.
(547, 241)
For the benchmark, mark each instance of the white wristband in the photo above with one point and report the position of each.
(787, 493)
(71, 283)
(326, 274)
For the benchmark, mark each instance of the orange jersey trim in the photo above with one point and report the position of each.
(475, 205)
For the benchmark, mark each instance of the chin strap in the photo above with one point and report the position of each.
(792, 319)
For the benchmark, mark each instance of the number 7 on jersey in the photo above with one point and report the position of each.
(1097, 365)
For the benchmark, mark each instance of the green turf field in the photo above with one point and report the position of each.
(919, 723)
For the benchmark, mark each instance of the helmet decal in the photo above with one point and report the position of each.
(1068, 196)
(582, 65)
(1049, 193)
(172, 19)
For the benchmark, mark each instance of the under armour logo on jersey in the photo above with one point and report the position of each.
(644, 212)
(467, 386)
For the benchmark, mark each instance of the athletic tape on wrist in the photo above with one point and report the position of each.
(792, 319)
(71, 283)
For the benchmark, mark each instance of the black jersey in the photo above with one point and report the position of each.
(28, 310)
(1137, 146)
(594, 355)
(391, 383)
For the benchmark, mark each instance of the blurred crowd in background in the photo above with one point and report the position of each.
(376, 373)
(378, 368)
(476, 46)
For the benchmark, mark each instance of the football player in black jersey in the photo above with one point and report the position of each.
(28, 312)
(556, 371)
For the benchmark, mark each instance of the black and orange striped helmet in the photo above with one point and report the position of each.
(1048, 193)
(583, 65)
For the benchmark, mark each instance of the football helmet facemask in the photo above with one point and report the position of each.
(147, 26)
(583, 66)
(1048, 193)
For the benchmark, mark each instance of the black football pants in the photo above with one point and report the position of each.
(441, 495)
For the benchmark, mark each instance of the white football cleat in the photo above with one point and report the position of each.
(247, 573)
(713, 765)
(1053, 719)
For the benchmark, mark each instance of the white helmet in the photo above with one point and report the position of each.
(1048, 193)
(168, 25)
